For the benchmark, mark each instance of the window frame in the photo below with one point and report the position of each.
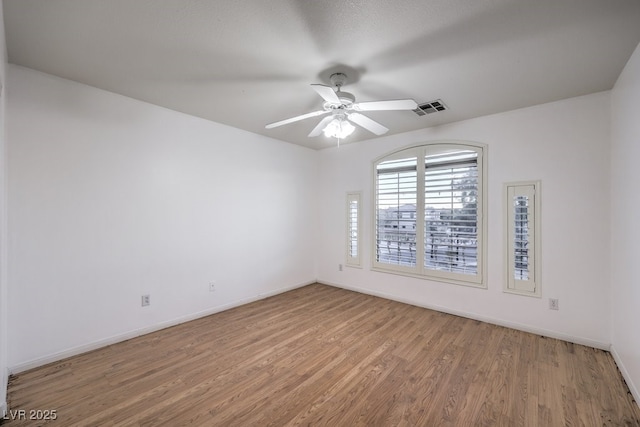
(419, 151)
(352, 261)
(528, 287)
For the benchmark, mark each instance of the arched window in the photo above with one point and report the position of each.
(429, 212)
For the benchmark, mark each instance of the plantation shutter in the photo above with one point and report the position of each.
(521, 244)
(353, 229)
(451, 212)
(396, 215)
(428, 210)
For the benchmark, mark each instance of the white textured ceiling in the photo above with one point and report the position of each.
(248, 63)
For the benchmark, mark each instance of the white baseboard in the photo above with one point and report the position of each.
(507, 324)
(40, 361)
(625, 374)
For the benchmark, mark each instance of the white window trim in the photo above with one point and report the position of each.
(478, 281)
(357, 260)
(530, 287)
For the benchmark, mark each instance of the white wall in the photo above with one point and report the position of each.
(564, 144)
(3, 228)
(111, 198)
(625, 230)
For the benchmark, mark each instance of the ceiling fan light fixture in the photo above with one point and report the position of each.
(338, 128)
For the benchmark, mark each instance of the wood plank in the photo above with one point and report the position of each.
(321, 355)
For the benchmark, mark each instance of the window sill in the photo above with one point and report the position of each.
(437, 279)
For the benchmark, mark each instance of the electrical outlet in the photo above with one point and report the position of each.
(553, 304)
(212, 286)
(146, 300)
(339, 267)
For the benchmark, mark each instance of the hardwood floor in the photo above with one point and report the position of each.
(319, 355)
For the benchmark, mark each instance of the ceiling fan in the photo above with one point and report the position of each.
(342, 110)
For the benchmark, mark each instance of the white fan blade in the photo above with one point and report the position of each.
(295, 119)
(397, 104)
(327, 93)
(320, 127)
(370, 125)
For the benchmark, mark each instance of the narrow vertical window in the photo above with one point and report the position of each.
(353, 229)
(522, 202)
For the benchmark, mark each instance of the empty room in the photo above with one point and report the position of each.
(331, 213)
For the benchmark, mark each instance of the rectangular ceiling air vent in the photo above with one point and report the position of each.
(430, 107)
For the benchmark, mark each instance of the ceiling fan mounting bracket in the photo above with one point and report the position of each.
(338, 80)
